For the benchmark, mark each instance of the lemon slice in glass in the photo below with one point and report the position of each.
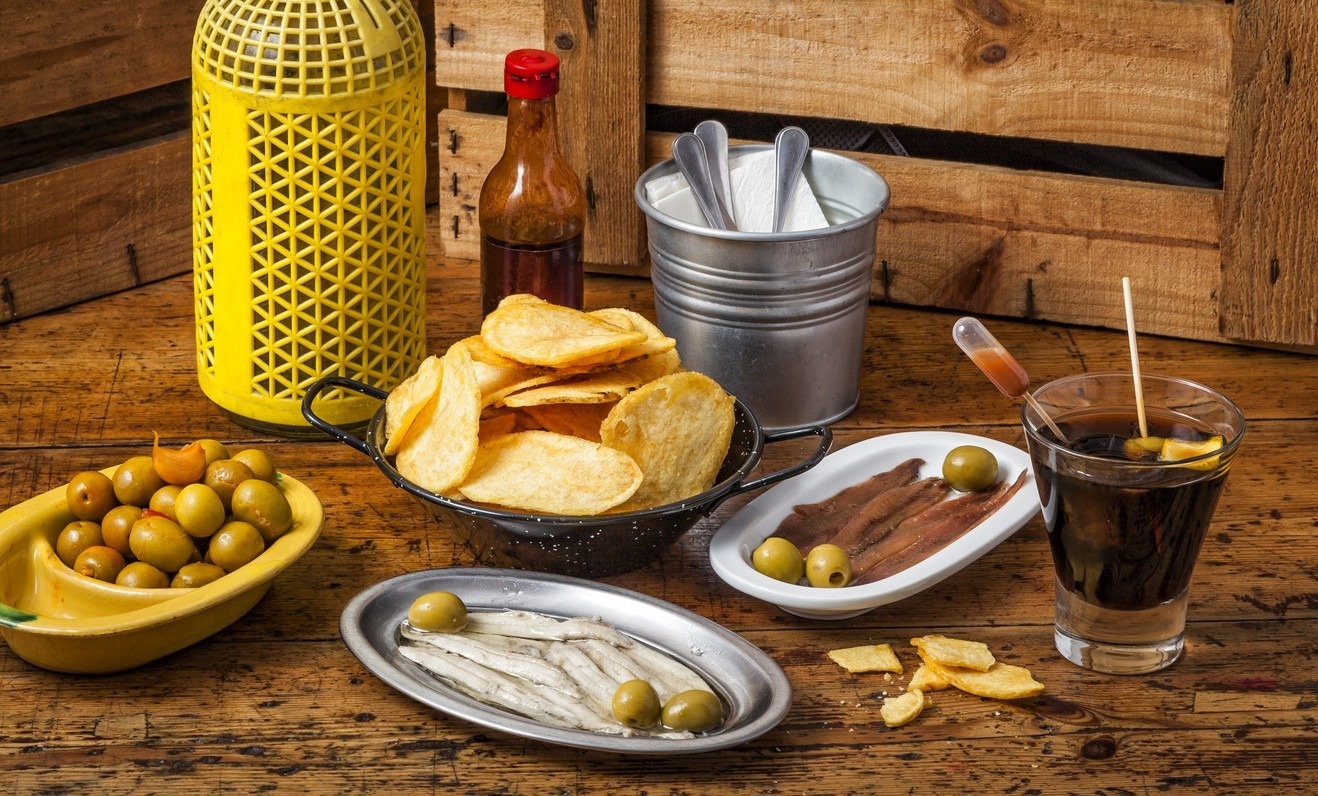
(1144, 447)
(1177, 449)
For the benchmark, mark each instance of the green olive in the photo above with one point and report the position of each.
(116, 526)
(259, 461)
(199, 510)
(136, 480)
(636, 704)
(90, 495)
(76, 537)
(161, 542)
(439, 612)
(970, 468)
(197, 574)
(264, 506)
(828, 566)
(693, 711)
(214, 449)
(100, 562)
(235, 544)
(162, 501)
(141, 575)
(779, 559)
(224, 476)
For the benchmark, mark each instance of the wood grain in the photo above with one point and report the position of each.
(277, 703)
(60, 56)
(1148, 74)
(1269, 287)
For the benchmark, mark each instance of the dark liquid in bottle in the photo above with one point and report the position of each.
(551, 272)
(1125, 540)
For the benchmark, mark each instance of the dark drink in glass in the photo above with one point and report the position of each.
(1125, 524)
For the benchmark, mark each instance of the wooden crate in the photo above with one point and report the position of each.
(95, 149)
(1196, 78)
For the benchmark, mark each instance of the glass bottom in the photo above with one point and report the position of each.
(1119, 642)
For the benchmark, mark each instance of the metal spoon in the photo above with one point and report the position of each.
(689, 154)
(715, 138)
(789, 150)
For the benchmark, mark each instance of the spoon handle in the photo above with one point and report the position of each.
(715, 138)
(689, 153)
(790, 148)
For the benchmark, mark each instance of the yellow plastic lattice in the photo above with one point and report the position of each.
(296, 48)
(308, 203)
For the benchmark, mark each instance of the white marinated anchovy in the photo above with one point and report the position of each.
(498, 689)
(529, 667)
(526, 624)
(674, 674)
(519, 646)
(619, 666)
(594, 683)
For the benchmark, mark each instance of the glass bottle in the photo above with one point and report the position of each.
(532, 207)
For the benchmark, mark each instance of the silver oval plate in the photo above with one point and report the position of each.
(754, 689)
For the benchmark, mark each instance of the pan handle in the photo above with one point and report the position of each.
(825, 435)
(342, 435)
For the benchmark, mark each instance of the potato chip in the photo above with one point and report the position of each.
(497, 425)
(442, 447)
(481, 352)
(548, 473)
(577, 420)
(407, 400)
(1001, 681)
(903, 709)
(596, 388)
(869, 658)
(678, 429)
(954, 652)
(658, 345)
(926, 679)
(539, 333)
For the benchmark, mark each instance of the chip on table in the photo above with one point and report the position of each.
(867, 658)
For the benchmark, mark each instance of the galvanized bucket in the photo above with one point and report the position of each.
(778, 319)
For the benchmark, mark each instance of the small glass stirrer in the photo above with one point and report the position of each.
(1001, 368)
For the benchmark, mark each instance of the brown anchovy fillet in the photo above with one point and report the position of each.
(882, 515)
(812, 523)
(930, 531)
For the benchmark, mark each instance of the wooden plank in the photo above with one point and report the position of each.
(1269, 285)
(95, 227)
(601, 108)
(58, 56)
(1148, 74)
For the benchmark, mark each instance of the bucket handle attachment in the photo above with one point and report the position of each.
(825, 435)
(340, 434)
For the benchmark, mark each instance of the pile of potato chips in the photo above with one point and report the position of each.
(551, 410)
(945, 663)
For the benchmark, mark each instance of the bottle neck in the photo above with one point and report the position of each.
(532, 122)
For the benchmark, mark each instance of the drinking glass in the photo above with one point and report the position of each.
(1125, 526)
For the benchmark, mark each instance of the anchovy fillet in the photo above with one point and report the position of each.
(527, 624)
(931, 530)
(505, 692)
(526, 667)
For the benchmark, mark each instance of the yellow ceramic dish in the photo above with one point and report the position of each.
(58, 619)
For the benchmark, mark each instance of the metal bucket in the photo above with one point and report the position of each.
(778, 319)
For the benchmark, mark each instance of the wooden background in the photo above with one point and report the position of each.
(94, 186)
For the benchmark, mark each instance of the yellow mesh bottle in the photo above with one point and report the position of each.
(308, 204)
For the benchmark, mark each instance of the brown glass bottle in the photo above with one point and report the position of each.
(532, 208)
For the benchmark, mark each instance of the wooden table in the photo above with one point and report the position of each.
(277, 703)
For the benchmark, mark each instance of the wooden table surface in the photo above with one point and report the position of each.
(277, 703)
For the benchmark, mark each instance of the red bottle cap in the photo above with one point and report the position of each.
(530, 74)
